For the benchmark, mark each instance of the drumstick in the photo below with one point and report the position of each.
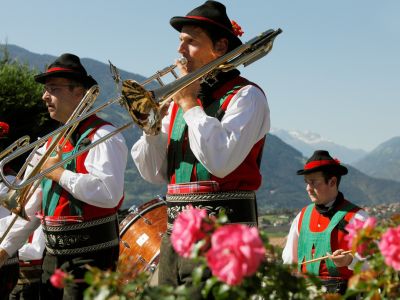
(322, 257)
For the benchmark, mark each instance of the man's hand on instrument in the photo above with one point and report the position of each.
(54, 175)
(341, 259)
(3, 257)
(163, 109)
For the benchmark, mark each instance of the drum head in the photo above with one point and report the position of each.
(141, 234)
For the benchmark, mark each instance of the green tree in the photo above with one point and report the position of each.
(20, 101)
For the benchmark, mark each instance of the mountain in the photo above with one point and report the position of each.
(307, 142)
(383, 161)
(281, 187)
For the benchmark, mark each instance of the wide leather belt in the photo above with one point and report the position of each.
(11, 261)
(239, 206)
(85, 237)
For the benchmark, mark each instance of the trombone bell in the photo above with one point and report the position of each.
(141, 106)
(10, 202)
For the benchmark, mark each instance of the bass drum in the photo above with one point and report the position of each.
(141, 233)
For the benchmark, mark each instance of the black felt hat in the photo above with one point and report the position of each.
(211, 15)
(322, 161)
(67, 66)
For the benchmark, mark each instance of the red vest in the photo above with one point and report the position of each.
(89, 211)
(337, 237)
(247, 175)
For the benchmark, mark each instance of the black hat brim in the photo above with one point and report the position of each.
(335, 169)
(87, 81)
(178, 22)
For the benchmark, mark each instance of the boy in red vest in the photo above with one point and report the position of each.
(212, 137)
(77, 203)
(319, 229)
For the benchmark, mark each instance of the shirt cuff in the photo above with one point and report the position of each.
(356, 259)
(67, 178)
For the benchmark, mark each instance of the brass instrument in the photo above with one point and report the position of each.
(21, 142)
(142, 105)
(20, 192)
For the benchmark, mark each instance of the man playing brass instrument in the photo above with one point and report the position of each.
(212, 136)
(77, 203)
(9, 271)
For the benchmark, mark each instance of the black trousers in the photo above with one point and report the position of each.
(8, 279)
(175, 270)
(26, 292)
(75, 264)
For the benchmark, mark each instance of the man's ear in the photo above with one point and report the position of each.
(333, 181)
(221, 46)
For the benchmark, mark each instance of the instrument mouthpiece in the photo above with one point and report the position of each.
(182, 60)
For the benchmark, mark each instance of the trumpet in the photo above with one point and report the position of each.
(142, 105)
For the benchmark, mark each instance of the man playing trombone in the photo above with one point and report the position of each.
(212, 136)
(77, 203)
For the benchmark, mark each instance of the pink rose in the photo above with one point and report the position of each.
(354, 228)
(58, 279)
(236, 251)
(189, 227)
(390, 247)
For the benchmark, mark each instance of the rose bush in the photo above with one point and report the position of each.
(245, 266)
(377, 275)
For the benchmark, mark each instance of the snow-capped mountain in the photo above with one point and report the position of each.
(307, 142)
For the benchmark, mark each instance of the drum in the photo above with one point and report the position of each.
(141, 233)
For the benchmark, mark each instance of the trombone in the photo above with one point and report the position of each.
(245, 54)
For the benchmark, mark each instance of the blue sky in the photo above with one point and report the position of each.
(334, 70)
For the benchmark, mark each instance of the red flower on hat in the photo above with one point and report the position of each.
(4, 129)
(237, 30)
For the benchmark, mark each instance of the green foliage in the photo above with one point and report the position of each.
(20, 100)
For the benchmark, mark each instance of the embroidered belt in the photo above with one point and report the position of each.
(11, 261)
(85, 237)
(239, 206)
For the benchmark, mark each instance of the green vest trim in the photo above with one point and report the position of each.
(51, 191)
(185, 161)
(320, 241)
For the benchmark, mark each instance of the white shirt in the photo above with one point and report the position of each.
(103, 186)
(289, 254)
(34, 249)
(221, 146)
